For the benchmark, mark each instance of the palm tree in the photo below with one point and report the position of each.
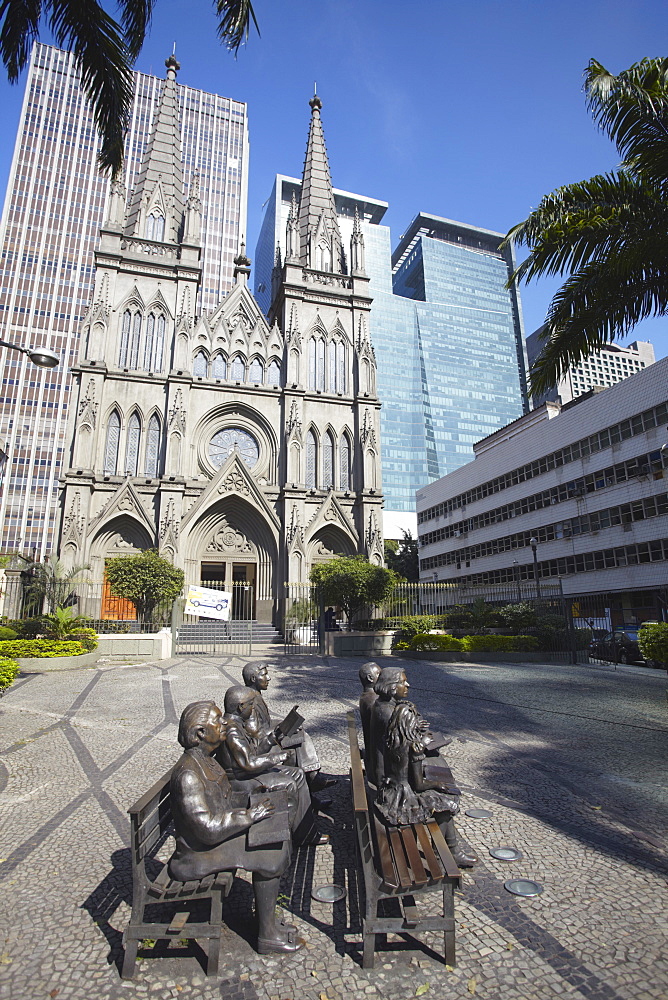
(51, 584)
(104, 49)
(609, 234)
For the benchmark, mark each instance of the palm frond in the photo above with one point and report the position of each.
(600, 303)
(135, 20)
(632, 108)
(103, 61)
(19, 20)
(234, 20)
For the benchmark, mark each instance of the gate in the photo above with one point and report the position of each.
(303, 619)
(193, 635)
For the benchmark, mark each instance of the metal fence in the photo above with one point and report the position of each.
(303, 619)
(193, 635)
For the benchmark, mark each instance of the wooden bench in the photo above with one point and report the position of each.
(399, 862)
(151, 824)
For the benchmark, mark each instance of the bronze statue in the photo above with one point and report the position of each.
(212, 836)
(303, 755)
(368, 674)
(391, 684)
(253, 762)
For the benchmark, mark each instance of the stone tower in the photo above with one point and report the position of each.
(243, 450)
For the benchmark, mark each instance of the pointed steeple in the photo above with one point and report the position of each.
(159, 191)
(242, 265)
(292, 232)
(357, 247)
(320, 245)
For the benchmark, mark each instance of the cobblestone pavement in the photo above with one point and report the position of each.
(571, 761)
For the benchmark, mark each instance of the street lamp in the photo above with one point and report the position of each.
(38, 355)
(516, 578)
(533, 542)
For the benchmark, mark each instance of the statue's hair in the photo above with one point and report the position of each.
(250, 671)
(369, 671)
(192, 717)
(403, 726)
(388, 677)
(236, 696)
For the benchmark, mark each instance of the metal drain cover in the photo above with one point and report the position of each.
(506, 853)
(329, 893)
(523, 887)
(478, 813)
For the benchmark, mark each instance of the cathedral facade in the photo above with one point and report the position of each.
(241, 448)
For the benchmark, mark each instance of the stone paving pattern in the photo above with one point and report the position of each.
(570, 760)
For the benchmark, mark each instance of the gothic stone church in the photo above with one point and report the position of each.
(242, 449)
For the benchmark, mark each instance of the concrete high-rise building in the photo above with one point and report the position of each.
(447, 333)
(600, 369)
(54, 207)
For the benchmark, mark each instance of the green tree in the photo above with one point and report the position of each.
(402, 557)
(104, 50)
(147, 580)
(353, 583)
(50, 583)
(608, 233)
(653, 642)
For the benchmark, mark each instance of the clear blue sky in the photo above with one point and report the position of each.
(470, 109)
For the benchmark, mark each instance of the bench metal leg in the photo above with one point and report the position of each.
(449, 932)
(130, 957)
(215, 943)
(369, 937)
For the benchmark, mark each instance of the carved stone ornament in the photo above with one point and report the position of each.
(234, 483)
(177, 414)
(293, 426)
(331, 513)
(321, 551)
(295, 532)
(368, 434)
(88, 407)
(126, 503)
(226, 539)
(373, 534)
(168, 523)
(73, 522)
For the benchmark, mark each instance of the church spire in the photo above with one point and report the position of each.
(320, 245)
(156, 209)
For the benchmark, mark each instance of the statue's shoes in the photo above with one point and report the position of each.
(465, 858)
(320, 783)
(281, 946)
(321, 802)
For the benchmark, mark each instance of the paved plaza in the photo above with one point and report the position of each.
(571, 762)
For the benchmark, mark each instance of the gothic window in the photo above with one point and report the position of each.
(311, 363)
(111, 445)
(149, 343)
(201, 365)
(155, 226)
(219, 366)
(132, 446)
(238, 370)
(331, 365)
(320, 366)
(256, 372)
(328, 461)
(344, 462)
(341, 367)
(274, 373)
(134, 342)
(152, 447)
(125, 340)
(311, 459)
(159, 347)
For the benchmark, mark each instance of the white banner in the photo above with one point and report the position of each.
(208, 603)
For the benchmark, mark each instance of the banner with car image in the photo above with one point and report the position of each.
(208, 603)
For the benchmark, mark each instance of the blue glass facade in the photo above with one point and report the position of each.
(447, 335)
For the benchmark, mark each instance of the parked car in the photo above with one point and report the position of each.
(618, 646)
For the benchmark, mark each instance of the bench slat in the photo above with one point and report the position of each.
(400, 859)
(385, 855)
(419, 874)
(443, 850)
(359, 791)
(435, 869)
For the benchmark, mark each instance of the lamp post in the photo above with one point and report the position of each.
(516, 578)
(533, 542)
(38, 355)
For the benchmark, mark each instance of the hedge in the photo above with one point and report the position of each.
(474, 643)
(423, 641)
(8, 671)
(7, 633)
(40, 647)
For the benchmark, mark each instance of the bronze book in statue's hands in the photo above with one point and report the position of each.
(272, 829)
(434, 741)
(291, 723)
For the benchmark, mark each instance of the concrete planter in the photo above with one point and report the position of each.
(453, 656)
(367, 644)
(45, 664)
(136, 646)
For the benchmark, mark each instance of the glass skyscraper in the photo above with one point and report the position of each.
(54, 208)
(447, 334)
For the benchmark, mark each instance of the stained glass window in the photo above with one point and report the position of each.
(159, 350)
(320, 376)
(200, 365)
(219, 367)
(344, 462)
(311, 459)
(256, 373)
(274, 373)
(341, 367)
(132, 447)
(238, 370)
(331, 365)
(111, 446)
(328, 461)
(311, 363)
(134, 343)
(125, 340)
(149, 344)
(152, 447)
